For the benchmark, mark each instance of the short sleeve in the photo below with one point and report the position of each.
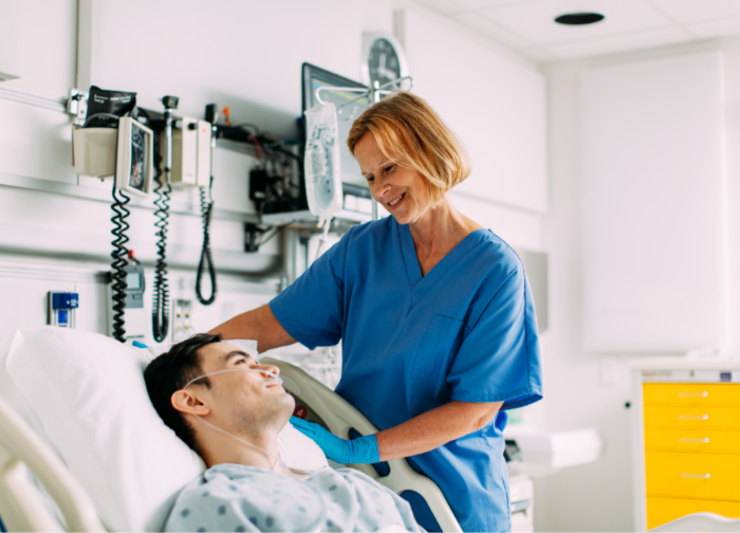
(499, 358)
(311, 309)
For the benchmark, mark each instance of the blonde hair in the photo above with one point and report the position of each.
(412, 135)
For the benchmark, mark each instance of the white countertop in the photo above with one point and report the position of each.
(683, 363)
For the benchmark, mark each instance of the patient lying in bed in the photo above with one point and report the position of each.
(230, 410)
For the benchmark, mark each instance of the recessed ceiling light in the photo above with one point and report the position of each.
(579, 19)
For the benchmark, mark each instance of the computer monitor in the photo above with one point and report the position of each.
(315, 77)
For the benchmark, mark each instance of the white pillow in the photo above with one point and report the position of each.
(85, 394)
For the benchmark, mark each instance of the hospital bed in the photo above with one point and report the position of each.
(63, 502)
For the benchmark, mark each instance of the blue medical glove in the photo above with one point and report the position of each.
(359, 450)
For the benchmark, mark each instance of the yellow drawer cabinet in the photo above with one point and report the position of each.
(686, 439)
(692, 394)
(692, 441)
(693, 475)
(722, 418)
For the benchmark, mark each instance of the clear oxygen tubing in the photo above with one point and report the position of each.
(323, 241)
(278, 460)
(273, 376)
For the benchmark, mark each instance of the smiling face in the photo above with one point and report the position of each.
(402, 191)
(243, 401)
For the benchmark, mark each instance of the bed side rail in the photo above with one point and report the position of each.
(21, 506)
(339, 416)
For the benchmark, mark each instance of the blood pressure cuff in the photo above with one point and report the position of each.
(106, 103)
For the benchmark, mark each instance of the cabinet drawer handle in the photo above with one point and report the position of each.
(705, 440)
(702, 394)
(693, 417)
(699, 476)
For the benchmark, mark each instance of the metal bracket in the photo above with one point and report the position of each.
(77, 105)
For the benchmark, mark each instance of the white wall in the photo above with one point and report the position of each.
(494, 101)
(598, 497)
(653, 205)
(237, 53)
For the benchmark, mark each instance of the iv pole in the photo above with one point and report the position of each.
(375, 93)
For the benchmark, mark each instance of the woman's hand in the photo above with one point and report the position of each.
(360, 450)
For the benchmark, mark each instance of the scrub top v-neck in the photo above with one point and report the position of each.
(410, 343)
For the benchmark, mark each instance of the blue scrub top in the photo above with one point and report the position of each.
(466, 331)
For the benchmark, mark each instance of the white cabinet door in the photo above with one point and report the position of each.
(495, 104)
(653, 205)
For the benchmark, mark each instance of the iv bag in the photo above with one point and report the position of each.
(322, 162)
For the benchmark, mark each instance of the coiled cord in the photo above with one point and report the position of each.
(118, 264)
(206, 258)
(160, 304)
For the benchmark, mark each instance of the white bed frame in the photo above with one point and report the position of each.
(23, 509)
(21, 506)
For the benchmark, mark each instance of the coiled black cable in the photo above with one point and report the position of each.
(160, 304)
(206, 258)
(118, 264)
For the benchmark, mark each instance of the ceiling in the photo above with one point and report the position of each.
(527, 26)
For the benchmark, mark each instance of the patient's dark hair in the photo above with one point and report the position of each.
(169, 373)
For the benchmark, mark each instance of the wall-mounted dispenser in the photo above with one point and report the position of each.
(60, 308)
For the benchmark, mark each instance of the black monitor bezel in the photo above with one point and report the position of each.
(309, 71)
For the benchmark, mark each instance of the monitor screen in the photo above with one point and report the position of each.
(139, 158)
(133, 281)
(315, 77)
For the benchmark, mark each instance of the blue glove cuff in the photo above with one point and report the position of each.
(365, 450)
(360, 450)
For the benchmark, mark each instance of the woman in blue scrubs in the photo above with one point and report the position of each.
(435, 315)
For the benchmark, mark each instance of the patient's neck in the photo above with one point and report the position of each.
(217, 448)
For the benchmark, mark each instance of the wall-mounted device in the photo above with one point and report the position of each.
(191, 153)
(129, 301)
(134, 166)
(60, 308)
(94, 151)
(111, 142)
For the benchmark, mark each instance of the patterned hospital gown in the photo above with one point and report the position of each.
(231, 497)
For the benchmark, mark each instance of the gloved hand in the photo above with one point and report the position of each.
(360, 450)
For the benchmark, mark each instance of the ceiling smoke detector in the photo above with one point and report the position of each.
(579, 19)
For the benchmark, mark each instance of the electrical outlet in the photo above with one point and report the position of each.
(182, 326)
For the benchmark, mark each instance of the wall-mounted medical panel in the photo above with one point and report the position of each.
(493, 102)
(653, 206)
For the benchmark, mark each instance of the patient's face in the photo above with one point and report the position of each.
(248, 401)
